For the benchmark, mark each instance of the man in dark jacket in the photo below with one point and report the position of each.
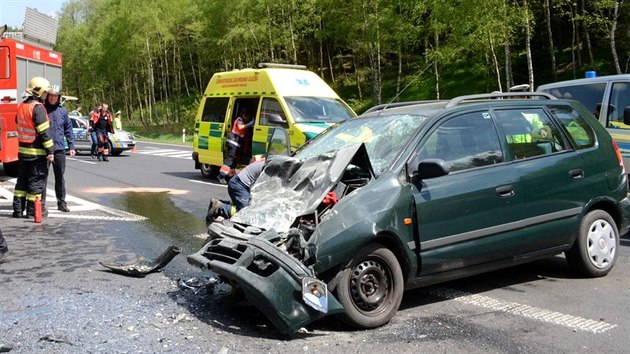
(35, 148)
(61, 127)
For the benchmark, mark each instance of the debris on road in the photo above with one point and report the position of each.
(142, 266)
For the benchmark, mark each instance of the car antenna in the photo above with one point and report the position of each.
(410, 82)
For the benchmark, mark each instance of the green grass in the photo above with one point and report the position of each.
(163, 137)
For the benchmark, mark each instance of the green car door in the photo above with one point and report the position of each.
(461, 215)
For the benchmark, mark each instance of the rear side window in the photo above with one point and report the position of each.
(590, 95)
(580, 133)
(529, 132)
(214, 109)
(465, 141)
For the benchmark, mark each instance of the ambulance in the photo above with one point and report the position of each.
(281, 98)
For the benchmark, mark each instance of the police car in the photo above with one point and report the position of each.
(118, 142)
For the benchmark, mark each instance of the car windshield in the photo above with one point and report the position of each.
(384, 137)
(318, 109)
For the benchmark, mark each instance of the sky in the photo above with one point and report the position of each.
(12, 11)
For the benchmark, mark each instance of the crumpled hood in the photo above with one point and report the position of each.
(289, 188)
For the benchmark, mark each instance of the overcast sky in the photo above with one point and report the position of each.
(12, 11)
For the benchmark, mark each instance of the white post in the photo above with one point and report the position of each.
(183, 135)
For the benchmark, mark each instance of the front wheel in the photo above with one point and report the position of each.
(208, 171)
(595, 250)
(371, 288)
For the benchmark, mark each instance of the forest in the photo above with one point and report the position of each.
(152, 60)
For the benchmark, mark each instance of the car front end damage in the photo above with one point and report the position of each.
(268, 249)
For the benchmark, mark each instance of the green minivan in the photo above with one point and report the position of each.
(413, 194)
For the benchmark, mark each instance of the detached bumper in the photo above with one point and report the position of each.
(270, 278)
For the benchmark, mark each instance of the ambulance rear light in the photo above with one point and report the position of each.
(281, 66)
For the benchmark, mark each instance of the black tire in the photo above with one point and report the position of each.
(595, 250)
(208, 171)
(115, 152)
(11, 169)
(371, 288)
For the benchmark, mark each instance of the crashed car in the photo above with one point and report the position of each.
(118, 142)
(409, 195)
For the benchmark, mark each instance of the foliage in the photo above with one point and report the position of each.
(152, 61)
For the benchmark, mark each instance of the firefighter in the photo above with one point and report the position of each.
(35, 148)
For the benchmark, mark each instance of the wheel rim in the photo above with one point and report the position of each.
(205, 168)
(601, 243)
(370, 285)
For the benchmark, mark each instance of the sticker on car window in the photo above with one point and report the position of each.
(485, 115)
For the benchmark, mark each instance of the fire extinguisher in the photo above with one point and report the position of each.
(38, 210)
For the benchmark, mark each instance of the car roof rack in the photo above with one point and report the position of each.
(384, 106)
(484, 96)
(283, 66)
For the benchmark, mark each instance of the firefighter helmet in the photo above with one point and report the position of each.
(38, 86)
(54, 90)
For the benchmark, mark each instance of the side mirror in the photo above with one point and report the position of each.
(626, 115)
(431, 168)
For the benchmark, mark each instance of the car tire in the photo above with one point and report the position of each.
(595, 250)
(208, 171)
(115, 152)
(371, 288)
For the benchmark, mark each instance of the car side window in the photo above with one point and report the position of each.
(272, 114)
(466, 141)
(529, 133)
(579, 131)
(590, 95)
(214, 109)
(619, 100)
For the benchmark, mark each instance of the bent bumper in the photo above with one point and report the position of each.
(270, 278)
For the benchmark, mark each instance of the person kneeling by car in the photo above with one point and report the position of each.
(239, 191)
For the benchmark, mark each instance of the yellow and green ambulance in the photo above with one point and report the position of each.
(278, 96)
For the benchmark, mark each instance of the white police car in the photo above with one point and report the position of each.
(118, 142)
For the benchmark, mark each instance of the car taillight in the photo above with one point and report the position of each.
(619, 157)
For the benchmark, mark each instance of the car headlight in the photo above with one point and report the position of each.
(315, 294)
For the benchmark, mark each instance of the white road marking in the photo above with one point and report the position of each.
(179, 154)
(208, 183)
(82, 161)
(531, 312)
(75, 204)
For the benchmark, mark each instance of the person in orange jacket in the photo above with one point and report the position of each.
(35, 150)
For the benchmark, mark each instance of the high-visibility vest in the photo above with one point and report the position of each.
(25, 125)
(239, 132)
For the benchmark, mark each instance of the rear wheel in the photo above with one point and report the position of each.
(208, 171)
(595, 251)
(371, 289)
(115, 152)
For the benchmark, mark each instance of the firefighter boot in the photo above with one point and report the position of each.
(19, 203)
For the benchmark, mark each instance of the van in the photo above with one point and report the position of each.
(280, 96)
(607, 97)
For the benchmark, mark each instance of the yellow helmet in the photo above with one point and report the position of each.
(38, 86)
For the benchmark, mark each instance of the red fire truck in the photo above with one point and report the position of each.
(20, 60)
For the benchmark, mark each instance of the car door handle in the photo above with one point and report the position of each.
(258, 129)
(505, 191)
(577, 173)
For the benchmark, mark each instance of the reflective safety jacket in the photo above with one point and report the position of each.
(33, 130)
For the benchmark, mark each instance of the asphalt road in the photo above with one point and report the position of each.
(56, 298)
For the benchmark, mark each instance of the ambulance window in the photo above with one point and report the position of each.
(4, 63)
(214, 109)
(272, 114)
